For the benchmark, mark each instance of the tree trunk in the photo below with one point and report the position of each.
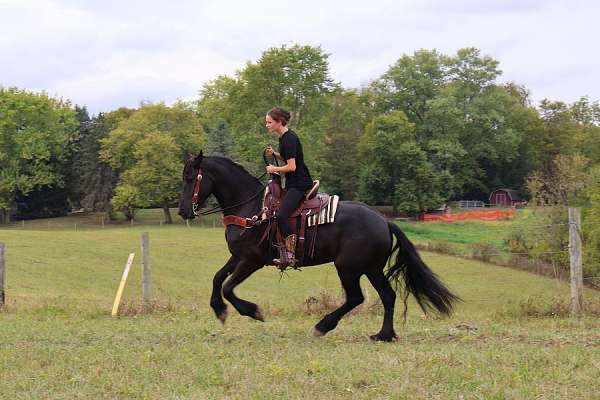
(167, 212)
(4, 216)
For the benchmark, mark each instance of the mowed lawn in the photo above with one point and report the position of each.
(57, 339)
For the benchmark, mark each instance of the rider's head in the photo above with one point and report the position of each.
(276, 116)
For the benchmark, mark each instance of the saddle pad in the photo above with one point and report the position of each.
(327, 214)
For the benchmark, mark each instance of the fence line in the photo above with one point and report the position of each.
(571, 224)
(2, 275)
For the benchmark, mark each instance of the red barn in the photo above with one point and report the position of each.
(506, 198)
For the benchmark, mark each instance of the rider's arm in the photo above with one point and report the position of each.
(290, 166)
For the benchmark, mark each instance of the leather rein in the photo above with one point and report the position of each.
(228, 219)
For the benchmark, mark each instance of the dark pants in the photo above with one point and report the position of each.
(290, 202)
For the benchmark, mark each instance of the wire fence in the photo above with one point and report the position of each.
(493, 242)
(487, 233)
(95, 222)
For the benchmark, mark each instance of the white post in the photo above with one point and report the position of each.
(575, 260)
(146, 267)
(115, 308)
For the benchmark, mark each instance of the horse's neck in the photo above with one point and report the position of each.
(234, 188)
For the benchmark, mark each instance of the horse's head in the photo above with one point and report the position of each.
(197, 186)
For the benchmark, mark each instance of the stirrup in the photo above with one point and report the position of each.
(285, 261)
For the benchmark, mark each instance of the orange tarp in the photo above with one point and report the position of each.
(488, 215)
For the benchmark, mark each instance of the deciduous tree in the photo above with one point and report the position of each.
(147, 149)
(35, 136)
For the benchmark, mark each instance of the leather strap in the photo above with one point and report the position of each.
(301, 237)
(239, 221)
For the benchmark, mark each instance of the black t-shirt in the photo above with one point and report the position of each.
(290, 147)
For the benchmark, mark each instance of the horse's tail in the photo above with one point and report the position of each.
(419, 280)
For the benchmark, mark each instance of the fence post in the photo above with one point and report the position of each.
(2, 299)
(575, 260)
(115, 309)
(146, 268)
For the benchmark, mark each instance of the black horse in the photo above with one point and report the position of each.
(359, 242)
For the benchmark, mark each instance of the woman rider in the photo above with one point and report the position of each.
(297, 178)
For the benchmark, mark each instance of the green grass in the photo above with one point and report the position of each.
(461, 232)
(57, 339)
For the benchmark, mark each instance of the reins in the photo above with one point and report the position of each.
(218, 209)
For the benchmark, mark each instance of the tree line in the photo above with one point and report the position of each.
(431, 129)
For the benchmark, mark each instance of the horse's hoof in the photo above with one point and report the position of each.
(318, 333)
(258, 315)
(383, 338)
(223, 316)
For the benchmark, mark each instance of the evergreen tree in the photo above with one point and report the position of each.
(97, 179)
(219, 140)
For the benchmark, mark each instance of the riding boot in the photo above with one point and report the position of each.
(287, 257)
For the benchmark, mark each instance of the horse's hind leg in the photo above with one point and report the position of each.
(388, 298)
(242, 271)
(354, 297)
(216, 300)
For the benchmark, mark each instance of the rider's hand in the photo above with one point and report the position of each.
(271, 169)
(269, 150)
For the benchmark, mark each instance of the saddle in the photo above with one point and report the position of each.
(311, 206)
(313, 200)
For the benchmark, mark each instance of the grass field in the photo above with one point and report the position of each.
(460, 232)
(58, 341)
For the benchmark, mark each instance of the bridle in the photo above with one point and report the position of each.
(196, 191)
(217, 209)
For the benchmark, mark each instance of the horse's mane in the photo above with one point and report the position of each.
(237, 167)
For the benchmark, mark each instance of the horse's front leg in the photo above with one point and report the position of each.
(216, 299)
(243, 270)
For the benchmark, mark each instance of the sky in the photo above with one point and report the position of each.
(107, 54)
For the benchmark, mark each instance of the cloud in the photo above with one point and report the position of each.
(111, 53)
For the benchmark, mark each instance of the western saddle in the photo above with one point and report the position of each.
(312, 204)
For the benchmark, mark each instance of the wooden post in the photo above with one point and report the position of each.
(115, 308)
(146, 267)
(2, 296)
(575, 260)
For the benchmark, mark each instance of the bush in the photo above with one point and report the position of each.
(126, 200)
(483, 251)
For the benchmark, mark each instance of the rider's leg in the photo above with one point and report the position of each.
(290, 202)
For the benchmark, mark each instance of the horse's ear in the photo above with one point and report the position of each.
(198, 160)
